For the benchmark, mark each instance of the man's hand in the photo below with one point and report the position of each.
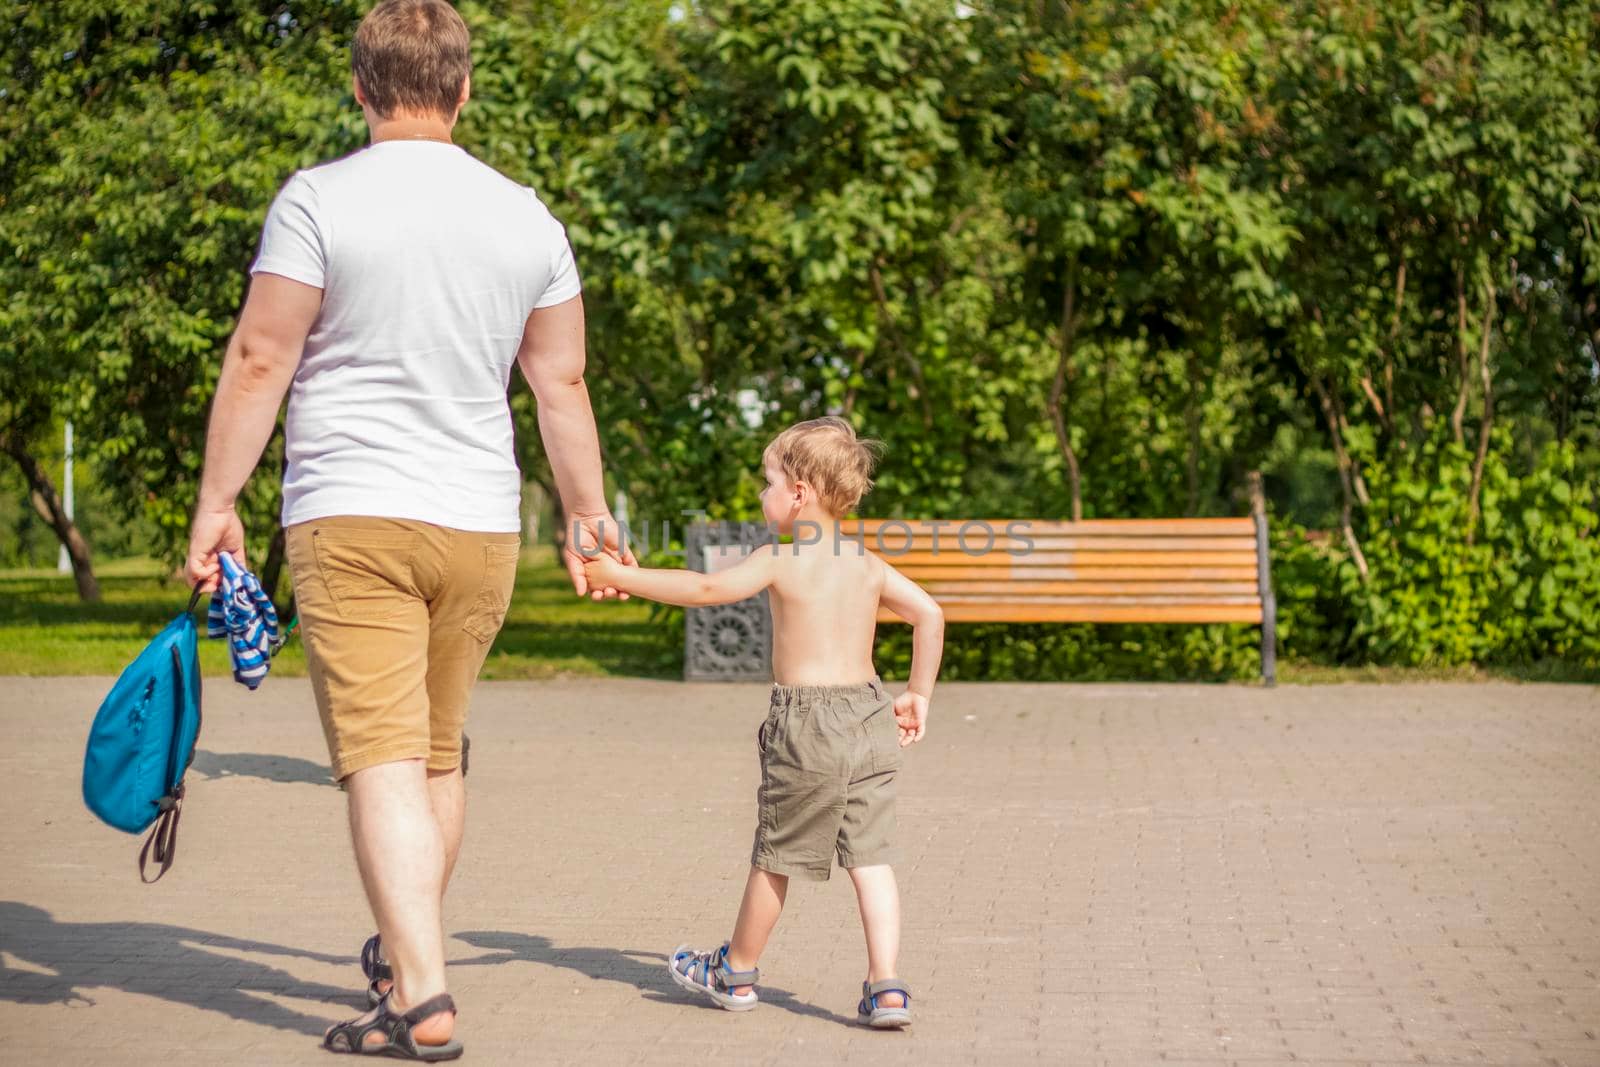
(911, 716)
(214, 530)
(589, 533)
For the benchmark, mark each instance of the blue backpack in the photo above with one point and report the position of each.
(143, 739)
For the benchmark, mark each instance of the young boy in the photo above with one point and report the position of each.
(830, 747)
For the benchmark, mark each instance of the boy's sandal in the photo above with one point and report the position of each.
(377, 970)
(351, 1037)
(708, 974)
(884, 1016)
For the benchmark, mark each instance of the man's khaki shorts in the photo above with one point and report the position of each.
(397, 618)
(829, 756)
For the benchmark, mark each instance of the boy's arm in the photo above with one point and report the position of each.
(911, 602)
(688, 589)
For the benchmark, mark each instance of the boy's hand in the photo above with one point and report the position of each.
(911, 715)
(604, 572)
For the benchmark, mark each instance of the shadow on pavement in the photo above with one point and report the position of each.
(262, 765)
(155, 959)
(642, 970)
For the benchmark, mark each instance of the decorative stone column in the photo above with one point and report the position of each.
(728, 642)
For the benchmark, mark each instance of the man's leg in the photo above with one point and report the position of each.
(366, 629)
(401, 853)
(447, 792)
(469, 598)
(447, 797)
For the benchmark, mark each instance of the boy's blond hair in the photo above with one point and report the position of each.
(827, 455)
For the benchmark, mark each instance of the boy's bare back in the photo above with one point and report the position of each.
(824, 613)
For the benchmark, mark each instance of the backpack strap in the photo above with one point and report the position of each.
(163, 839)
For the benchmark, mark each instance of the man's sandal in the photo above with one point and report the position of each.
(884, 1016)
(708, 974)
(377, 969)
(351, 1037)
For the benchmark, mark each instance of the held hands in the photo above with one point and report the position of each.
(605, 572)
(591, 531)
(911, 716)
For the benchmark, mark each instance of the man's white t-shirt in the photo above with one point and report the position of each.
(429, 264)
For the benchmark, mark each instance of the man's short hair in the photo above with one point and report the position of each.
(412, 55)
(827, 455)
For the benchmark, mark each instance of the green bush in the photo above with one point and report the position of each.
(1517, 585)
(1080, 652)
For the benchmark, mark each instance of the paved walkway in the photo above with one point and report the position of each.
(1123, 874)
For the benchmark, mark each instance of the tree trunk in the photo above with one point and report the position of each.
(1384, 406)
(1346, 476)
(1458, 414)
(48, 503)
(856, 366)
(558, 514)
(919, 388)
(1191, 459)
(1060, 401)
(272, 569)
(1487, 425)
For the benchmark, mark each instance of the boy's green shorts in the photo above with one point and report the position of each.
(829, 757)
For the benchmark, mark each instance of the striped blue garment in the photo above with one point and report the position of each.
(241, 612)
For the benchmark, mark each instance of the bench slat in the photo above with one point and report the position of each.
(939, 588)
(894, 543)
(1135, 527)
(1080, 559)
(960, 572)
(1005, 612)
(1028, 600)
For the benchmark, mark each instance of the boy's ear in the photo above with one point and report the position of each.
(801, 489)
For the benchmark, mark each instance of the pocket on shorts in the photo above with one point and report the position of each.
(883, 732)
(365, 571)
(801, 814)
(488, 612)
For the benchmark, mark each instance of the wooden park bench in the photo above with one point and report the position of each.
(1020, 570)
(1097, 570)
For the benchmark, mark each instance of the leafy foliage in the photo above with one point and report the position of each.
(1103, 257)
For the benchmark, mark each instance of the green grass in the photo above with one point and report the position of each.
(549, 632)
(1293, 673)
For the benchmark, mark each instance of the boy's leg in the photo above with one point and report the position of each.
(879, 897)
(764, 894)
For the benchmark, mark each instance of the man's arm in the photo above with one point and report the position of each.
(256, 371)
(689, 589)
(552, 359)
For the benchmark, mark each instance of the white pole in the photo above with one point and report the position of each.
(64, 561)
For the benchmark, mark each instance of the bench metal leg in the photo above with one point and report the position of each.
(1269, 602)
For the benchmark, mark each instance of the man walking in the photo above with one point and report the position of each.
(393, 290)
